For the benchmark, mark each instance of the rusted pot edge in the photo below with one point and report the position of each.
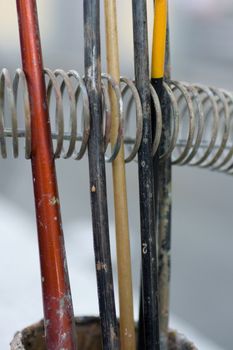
(177, 341)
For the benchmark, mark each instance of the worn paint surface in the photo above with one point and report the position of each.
(98, 193)
(146, 182)
(164, 212)
(58, 310)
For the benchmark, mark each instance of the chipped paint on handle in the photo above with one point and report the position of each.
(58, 309)
(146, 182)
(165, 203)
(97, 175)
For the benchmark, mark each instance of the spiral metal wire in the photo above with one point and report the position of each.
(202, 117)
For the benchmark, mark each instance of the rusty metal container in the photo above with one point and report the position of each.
(89, 337)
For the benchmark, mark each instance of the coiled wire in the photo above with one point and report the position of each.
(202, 119)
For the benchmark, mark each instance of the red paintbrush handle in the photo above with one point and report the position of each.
(58, 310)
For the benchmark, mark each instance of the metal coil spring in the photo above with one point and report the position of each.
(202, 119)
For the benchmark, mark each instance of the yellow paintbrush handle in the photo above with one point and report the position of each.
(159, 39)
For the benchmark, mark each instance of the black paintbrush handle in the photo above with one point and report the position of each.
(98, 178)
(146, 182)
(165, 204)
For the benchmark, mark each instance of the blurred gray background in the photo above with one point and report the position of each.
(202, 221)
